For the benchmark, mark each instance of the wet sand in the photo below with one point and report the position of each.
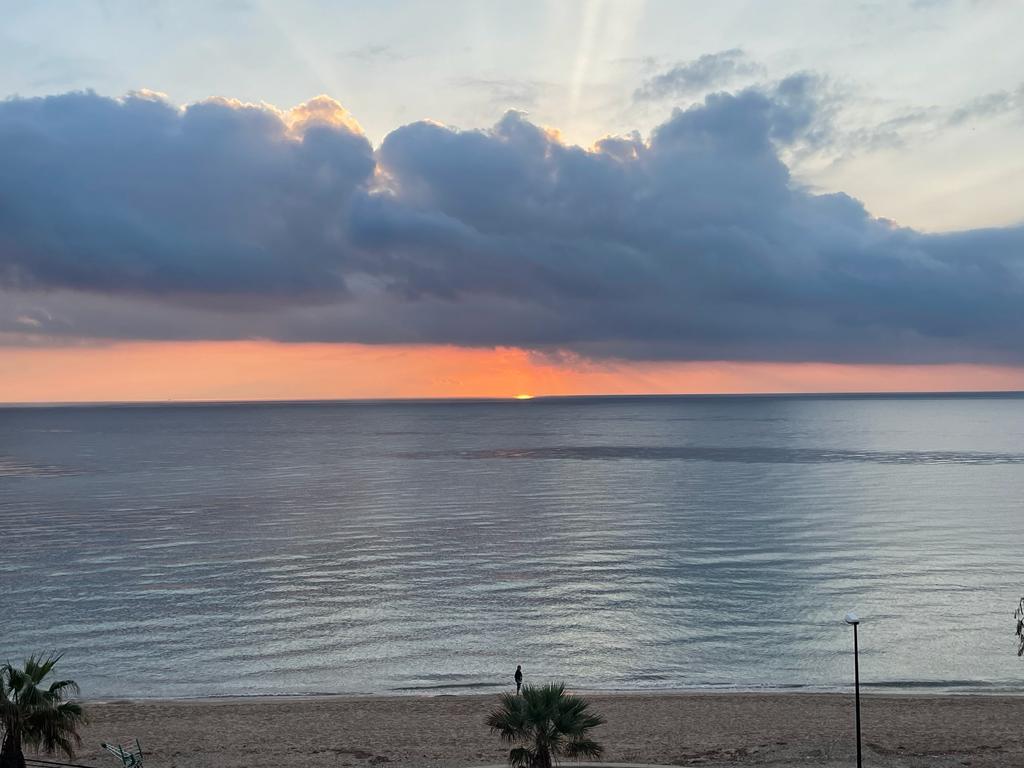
(791, 729)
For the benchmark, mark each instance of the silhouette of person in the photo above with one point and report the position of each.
(519, 677)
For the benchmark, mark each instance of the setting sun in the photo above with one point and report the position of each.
(524, 397)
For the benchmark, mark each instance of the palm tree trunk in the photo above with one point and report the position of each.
(11, 755)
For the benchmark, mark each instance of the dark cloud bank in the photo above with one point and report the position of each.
(132, 218)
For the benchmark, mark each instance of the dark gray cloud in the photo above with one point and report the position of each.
(135, 195)
(133, 219)
(709, 72)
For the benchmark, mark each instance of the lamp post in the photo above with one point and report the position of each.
(853, 620)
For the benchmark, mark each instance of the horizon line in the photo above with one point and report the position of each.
(511, 398)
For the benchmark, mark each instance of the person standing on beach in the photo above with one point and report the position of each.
(519, 677)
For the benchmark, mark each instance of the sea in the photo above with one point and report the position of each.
(428, 547)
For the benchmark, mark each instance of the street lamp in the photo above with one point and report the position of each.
(852, 619)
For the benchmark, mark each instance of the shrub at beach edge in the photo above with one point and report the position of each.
(545, 723)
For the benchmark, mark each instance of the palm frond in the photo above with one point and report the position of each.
(39, 716)
(37, 666)
(583, 748)
(508, 718)
(545, 722)
(521, 757)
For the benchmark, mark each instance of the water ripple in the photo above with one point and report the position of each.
(633, 544)
(733, 454)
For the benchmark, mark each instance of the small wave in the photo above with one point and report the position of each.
(741, 455)
(11, 467)
(937, 684)
(447, 686)
(311, 694)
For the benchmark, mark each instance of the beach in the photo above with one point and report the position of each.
(734, 729)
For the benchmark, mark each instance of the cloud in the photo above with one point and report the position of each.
(709, 72)
(133, 218)
(374, 53)
(136, 196)
(506, 92)
(844, 132)
(989, 105)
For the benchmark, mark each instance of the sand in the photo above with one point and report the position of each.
(791, 729)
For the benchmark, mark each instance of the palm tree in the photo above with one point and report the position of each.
(545, 723)
(34, 715)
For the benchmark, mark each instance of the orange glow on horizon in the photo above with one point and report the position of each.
(260, 370)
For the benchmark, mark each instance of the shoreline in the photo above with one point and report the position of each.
(728, 730)
(598, 692)
(866, 691)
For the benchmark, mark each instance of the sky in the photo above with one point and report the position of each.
(257, 200)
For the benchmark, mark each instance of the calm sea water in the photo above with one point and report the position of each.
(613, 543)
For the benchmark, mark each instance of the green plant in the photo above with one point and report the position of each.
(35, 715)
(545, 723)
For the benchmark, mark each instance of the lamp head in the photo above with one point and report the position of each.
(852, 618)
